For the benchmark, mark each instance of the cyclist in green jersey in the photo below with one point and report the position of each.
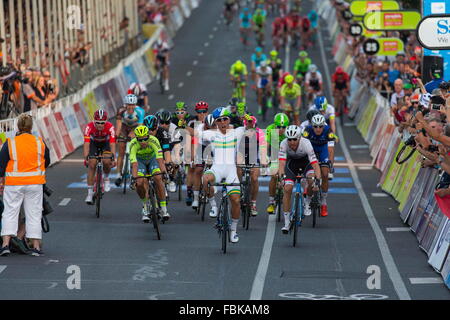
(146, 158)
(281, 122)
(301, 66)
(239, 77)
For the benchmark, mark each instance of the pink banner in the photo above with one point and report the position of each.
(53, 138)
(63, 130)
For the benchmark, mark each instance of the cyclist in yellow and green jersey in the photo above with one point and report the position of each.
(239, 76)
(290, 98)
(146, 158)
(301, 66)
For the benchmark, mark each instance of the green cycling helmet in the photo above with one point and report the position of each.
(281, 120)
(181, 105)
(303, 54)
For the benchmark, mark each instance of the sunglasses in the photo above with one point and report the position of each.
(164, 122)
(222, 119)
(317, 127)
(100, 122)
(281, 127)
(201, 111)
(142, 139)
(292, 139)
(180, 112)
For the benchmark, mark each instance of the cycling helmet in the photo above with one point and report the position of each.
(131, 99)
(263, 64)
(164, 116)
(233, 102)
(425, 100)
(141, 132)
(100, 115)
(321, 103)
(239, 66)
(312, 68)
(135, 89)
(258, 49)
(180, 105)
(303, 54)
(201, 105)
(289, 79)
(253, 119)
(318, 120)
(151, 122)
(293, 132)
(281, 120)
(209, 120)
(245, 10)
(274, 53)
(339, 70)
(221, 112)
(311, 113)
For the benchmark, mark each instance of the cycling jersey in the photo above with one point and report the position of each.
(276, 143)
(264, 75)
(306, 24)
(260, 19)
(304, 149)
(141, 94)
(276, 69)
(188, 119)
(319, 142)
(234, 73)
(257, 60)
(302, 66)
(153, 150)
(314, 82)
(291, 92)
(235, 120)
(329, 114)
(246, 20)
(133, 119)
(340, 82)
(313, 18)
(163, 139)
(93, 135)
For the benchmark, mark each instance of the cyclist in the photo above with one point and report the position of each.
(280, 123)
(301, 66)
(313, 83)
(235, 119)
(264, 82)
(290, 98)
(146, 158)
(297, 154)
(309, 115)
(327, 110)
(340, 83)
(294, 21)
(257, 57)
(228, 11)
(314, 19)
(306, 31)
(201, 108)
(320, 134)
(239, 77)
(224, 142)
(254, 148)
(140, 91)
(128, 118)
(277, 71)
(162, 60)
(99, 139)
(246, 25)
(278, 33)
(259, 22)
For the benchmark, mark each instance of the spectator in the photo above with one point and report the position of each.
(39, 88)
(398, 91)
(394, 73)
(436, 79)
(23, 160)
(383, 85)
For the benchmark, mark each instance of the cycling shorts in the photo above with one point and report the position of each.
(294, 166)
(96, 148)
(340, 85)
(125, 131)
(262, 83)
(227, 172)
(146, 167)
(322, 153)
(290, 106)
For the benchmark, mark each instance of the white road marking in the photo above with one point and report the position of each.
(215, 29)
(189, 73)
(201, 53)
(391, 267)
(211, 36)
(426, 280)
(349, 124)
(2, 268)
(195, 62)
(53, 285)
(73, 160)
(379, 195)
(402, 229)
(64, 202)
(180, 85)
(359, 146)
(206, 44)
(365, 168)
(171, 97)
(260, 277)
(347, 164)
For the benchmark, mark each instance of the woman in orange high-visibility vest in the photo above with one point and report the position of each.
(23, 160)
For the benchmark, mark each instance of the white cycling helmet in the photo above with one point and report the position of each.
(293, 132)
(131, 99)
(312, 68)
(263, 64)
(210, 120)
(318, 120)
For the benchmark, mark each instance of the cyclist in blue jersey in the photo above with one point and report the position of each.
(320, 134)
(257, 57)
(129, 117)
(246, 25)
(314, 20)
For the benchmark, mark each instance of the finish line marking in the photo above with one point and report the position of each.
(426, 280)
(64, 202)
(401, 229)
(379, 195)
(2, 268)
(358, 147)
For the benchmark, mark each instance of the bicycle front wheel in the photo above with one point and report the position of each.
(154, 212)
(296, 218)
(98, 194)
(125, 173)
(225, 225)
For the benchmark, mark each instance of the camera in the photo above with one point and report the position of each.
(47, 191)
(46, 206)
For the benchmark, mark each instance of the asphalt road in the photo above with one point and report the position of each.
(119, 257)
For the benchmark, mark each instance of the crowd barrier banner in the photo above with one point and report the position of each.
(73, 127)
(446, 271)
(426, 199)
(185, 8)
(414, 194)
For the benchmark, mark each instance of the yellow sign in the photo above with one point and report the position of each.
(389, 46)
(360, 8)
(371, 34)
(2, 138)
(392, 20)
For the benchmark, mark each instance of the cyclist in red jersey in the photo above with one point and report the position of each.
(340, 82)
(99, 138)
(293, 22)
(279, 29)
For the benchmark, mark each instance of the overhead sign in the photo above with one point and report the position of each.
(360, 8)
(371, 47)
(392, 20)
(390, 46)
(372, 34)
(433, 32)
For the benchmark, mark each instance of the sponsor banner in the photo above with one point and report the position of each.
(130, 75)
(446, 271)
(176, 17)
(425, 200)
(61, 128)
(150, 58)
(386, 138)
(433, 32)
(102, 100)
(113, 93)
(81, 115)
(440, 245)
(42, 132)
(122, 83)
(52, 138)
(414, 194)
(444, 204)
(337, 43)
(73, 127)
(149, 29)
(363, 127)
(378, 114)
(410, 176)
(424, 222)
(90, 104)
(392, 20)
(360, 8)
(393, 144)
(143, 76)
(185, 8)
(392, 174)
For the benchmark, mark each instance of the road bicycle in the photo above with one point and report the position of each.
(245, 193)
(223, 224)
(126, 168)
(264, 100)
(245, 35)
(152, 205)
(279, 198)
(238, 86)
(315, 205)
(99, 184)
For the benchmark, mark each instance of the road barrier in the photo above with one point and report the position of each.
(412, 186)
